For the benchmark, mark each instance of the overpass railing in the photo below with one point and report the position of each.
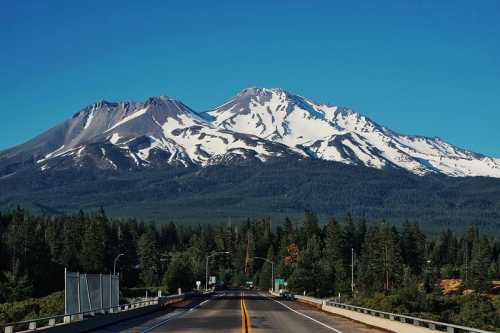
(52, 321)
(430, 324)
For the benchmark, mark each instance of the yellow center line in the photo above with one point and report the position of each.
(243, 322)
(246, 324)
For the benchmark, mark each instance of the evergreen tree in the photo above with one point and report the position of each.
(334, 257)
(309, 274)
(15, 286)
(413, 247)
(93, 245)
(179, 274)
(479, 265)
(149, 258)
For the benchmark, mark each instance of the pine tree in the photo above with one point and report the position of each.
(309, 274)
(149, 257)
(311, 226)
(72, 231)
(15, 286)
(179, 274)
(479, 265)
(413, 247)
(334, 257)
(93, 245)
(381, 263)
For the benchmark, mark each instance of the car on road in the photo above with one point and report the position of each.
(285, 294)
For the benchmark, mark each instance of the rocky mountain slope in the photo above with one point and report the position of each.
(336, 133)
(258, 124)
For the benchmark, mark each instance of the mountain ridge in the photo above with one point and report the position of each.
(256, 124)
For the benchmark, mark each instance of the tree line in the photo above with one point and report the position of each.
(312, 257)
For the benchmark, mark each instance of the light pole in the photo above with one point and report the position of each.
(206, 265)
(114, 262)
(272, 269)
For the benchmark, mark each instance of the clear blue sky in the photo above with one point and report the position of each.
(419, 67)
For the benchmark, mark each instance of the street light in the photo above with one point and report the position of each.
(114, 262)
(206, 265)
(272, 270)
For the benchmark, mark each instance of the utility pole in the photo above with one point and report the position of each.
(206, 265)
(386, 269)
(272, 269)
(352, 270)
(466, 261)
(247, 272)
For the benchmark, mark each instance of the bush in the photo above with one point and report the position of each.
(477, 311)
(50, 305)
(141, 292)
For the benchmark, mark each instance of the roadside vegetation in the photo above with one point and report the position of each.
(447, 277)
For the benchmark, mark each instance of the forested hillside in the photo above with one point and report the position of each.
(396, 268)
(274, 189)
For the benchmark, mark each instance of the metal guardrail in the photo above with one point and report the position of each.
(433, 325)
(46, 322)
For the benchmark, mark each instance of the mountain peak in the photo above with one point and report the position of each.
(258, 121)
(261, 91)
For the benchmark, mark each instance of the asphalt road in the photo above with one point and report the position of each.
(240, 311)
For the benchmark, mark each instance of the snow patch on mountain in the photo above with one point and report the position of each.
(339, 134)
(257, 124)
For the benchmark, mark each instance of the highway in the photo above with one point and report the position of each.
(241, 311)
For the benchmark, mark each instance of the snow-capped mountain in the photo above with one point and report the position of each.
(257, 124)
(339, 134)
(129, 135)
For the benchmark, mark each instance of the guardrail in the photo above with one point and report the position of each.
(52, 321)
(430, 324)
(433, 325)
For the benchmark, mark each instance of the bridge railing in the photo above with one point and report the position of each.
(52, 321)
(430, 324)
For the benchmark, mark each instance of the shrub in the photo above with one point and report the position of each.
(50, 305)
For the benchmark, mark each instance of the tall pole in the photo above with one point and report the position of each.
(272, 269)
(206, 273)
(466, 261)
(272, 276)
(206, 265)
(352, 270)
(114, 262)
(65, 291)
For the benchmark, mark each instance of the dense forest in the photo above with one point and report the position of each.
(395, 268)
(276, 189)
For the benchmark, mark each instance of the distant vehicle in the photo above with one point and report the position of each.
(285, 294)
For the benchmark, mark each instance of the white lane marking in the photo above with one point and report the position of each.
(163, 322)
(304, 315)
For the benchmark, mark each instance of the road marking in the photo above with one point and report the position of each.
(304, 315)
(243, 323)
(246, 324)
(163, 322)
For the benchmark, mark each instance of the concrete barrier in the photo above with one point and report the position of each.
(379, 322)
(388, 321)
(88, 321)
(100, 321)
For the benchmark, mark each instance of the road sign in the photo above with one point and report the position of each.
(212, 280)
(279, 281)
